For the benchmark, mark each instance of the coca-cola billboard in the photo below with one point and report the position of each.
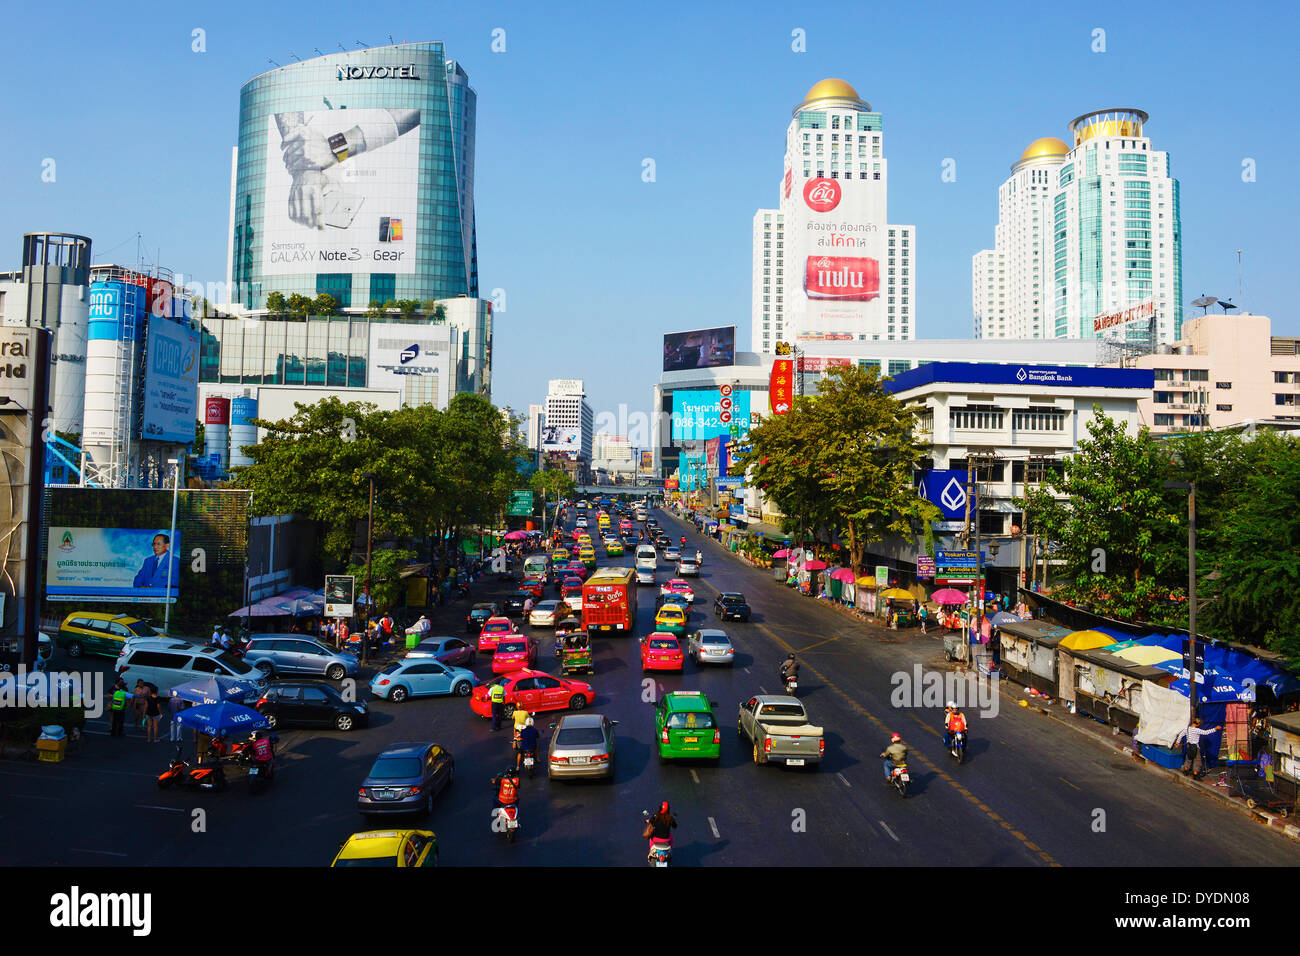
(843, 278)
(821, 195)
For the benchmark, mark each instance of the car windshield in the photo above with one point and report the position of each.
(664, 644)
(370, 861)
(690, 721)
(141, 629)
(670, 613)
(511, 647)
(395, 768)
(713, 639)
(391, 668)
(234, 663)
(733, 599)
(580, 737)
(497, 627)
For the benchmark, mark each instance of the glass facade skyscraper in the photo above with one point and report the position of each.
(354, 176)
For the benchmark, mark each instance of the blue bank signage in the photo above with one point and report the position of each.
(945, 488)
(1059, 376)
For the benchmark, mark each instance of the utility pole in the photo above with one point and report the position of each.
(1190, 488)
(370, 535)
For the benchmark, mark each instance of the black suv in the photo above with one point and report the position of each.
(513, 605)
(479, 614)
(731, 605)
(310, 705)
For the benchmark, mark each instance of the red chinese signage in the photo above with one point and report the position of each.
(780, 387)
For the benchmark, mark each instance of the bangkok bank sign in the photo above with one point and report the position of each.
(842, 278)
(821, 195)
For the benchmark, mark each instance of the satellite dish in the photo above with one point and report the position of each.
(1226, 305)
(1204, 302)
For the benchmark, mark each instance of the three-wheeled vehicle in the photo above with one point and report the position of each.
(575, 654)
(568, 626)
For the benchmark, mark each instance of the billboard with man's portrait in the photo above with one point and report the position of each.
(113, 565)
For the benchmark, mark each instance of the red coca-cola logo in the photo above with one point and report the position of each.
(845, 278)
(821, 195)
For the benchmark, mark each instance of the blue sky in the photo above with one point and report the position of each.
(597, 264)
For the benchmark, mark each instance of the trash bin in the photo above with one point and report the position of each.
(778, 574)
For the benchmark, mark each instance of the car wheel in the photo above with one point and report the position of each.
(343, 722)
(271, 721)
(758, 754)
(335, 672)
(508, 710)
(397, 695)
(428, 805)
(577, 702)
(74, 649)
(267, 668)
(463, 688)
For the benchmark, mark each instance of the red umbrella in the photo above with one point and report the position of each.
(814, 565)
(516, 536)
(948, 596)
(782, 553)
(843, 574)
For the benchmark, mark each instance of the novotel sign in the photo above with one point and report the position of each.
(378, 72)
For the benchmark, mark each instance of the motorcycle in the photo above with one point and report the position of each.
(661, 851)
(530, 762)
(261, 774)
(506, 820)
(957, 745)
(790, 681)
(899, 778)
(209, 776)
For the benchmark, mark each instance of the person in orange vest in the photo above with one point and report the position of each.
(954, 722)
(507, 784)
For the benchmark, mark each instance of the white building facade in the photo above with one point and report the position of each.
(1086, 233)
(828, 266)
(569, 420)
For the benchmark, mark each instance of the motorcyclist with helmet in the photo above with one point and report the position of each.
(789, 669)
(895, 754)
(527, 743)
(661, 826)
(954, 722)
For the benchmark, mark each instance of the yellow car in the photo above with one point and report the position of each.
(672, 619)
(100, 634)
(559, 555)
(587, 555)
(402, 848)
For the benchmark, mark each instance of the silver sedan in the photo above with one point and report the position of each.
(711, 646)
(582, 746)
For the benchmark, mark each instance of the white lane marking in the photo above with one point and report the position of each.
(150, 806)
(713, 825)
(844, 781)
(889, 831)
(762, 689)
(695, 776)
(746, 670)
(100, 852)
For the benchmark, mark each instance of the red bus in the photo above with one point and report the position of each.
(609, 601)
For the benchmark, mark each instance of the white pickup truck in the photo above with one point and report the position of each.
(777, 729)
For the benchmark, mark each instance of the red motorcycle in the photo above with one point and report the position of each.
(209, 776)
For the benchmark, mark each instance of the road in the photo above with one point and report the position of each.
(1031, 793)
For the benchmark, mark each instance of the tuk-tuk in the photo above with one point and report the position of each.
(575, 654)
(567, 627)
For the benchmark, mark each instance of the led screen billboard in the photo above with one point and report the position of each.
(555, 438)
(700, 415)
(341, 191)
(112, 565)
(171, 382)
(702, 348)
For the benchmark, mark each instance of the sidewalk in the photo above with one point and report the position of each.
(1102, 734)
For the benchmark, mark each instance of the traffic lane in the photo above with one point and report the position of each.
(1027, 761)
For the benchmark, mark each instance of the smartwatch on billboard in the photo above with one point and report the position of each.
(338, 144)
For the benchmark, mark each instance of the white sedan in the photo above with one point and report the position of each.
(547, 613)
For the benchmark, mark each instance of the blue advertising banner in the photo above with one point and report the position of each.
(984, 373)
(945, 488)
(171, 382)
(698, 415)
(119, 565)
(737, 512)
(734, 483)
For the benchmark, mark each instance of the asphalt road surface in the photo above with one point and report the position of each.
(1030, 793)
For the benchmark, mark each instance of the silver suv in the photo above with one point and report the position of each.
(294, 654)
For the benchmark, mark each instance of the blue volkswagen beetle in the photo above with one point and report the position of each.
(421, 677)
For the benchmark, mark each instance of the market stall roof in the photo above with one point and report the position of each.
(1289, 722)
(1040, 632)
(1102, 658)
(867, 581)
(1148, 654)
(898, 594)
(1086, 641)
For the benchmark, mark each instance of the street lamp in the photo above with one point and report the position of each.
(370, 537)
(171, 541)
(1190, 488)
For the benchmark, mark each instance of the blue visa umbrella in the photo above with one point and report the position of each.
(221, 720)
(209, 690)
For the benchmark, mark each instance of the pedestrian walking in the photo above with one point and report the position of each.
(139, 698)
(1193, 758)
(923, 616)
(152, 713)
(174, 707)
(117, 709)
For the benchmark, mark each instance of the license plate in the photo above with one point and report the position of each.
(795, 763)
(253, 771)
(604, 627)
(692, 740)
(384, 795)
(579, 760)
(904, 777)
(660, 863)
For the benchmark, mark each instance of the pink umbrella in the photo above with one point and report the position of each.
(814, 565)
(948, 596)
(516, 536)
(782, 553)
(842, 574)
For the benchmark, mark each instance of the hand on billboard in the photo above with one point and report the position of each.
(307, 199)
(306, 148)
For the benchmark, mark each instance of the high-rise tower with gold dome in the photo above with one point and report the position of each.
(1085, 231)
(828, 266)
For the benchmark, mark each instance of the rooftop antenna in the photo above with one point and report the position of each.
(362, 43)
(318, 52)
(1204, 303)
(390, 38)
(343, 48)
(295, 56)
(272, 62)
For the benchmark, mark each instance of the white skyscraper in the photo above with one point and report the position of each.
(850, 272)
(569, 420)
(1088, 241)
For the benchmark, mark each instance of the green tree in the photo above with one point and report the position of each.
(299, 306)
(375, 311)
(325, 304)
(408, 308)
(553, 484)
(387, 588)
(276, 304)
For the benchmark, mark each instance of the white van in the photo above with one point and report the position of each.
(168, 663)
(646, 557)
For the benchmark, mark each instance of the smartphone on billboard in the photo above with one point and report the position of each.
(385, 227)
(341, 208)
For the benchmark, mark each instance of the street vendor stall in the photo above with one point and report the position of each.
(1029, 653)
(1109, 688)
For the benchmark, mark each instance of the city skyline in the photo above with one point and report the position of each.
(654, 211)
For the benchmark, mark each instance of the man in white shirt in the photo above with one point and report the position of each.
(1193, 735)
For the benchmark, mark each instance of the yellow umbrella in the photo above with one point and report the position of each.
(867, 581)
(1086, 641)
(898, 594)
(1149, 655)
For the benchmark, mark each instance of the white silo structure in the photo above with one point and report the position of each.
(216, 429)
(116, 326)
(56, 274)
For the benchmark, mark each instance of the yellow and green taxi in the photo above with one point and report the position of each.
(559, 555)
(99, 634)
(614, 548)
(685, 726)
(587, 555)
(671, 618)
(380, 848)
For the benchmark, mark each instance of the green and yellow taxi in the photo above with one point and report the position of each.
(587, 555)
(99, 634)
(559, 555)
(671, 618)
(614, 548)
(382, 848)
(686, 727)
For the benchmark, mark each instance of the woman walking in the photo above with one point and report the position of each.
(152, 712)
(139, 698)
